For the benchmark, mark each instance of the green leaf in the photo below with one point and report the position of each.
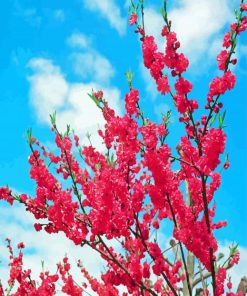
(111, 160)
(67, 133)
(88, 135)
(42, 265)
(29, 136)
(212, 120)
(221, 120)
(166, 116)
(98, 166)
(94, 99)
(224, 115)
(233, 249)
(129, 76)
(53, 118)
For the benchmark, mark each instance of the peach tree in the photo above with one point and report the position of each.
(126, 192)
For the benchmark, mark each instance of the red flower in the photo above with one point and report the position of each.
(132, 19)
(5, 193)
(98, 95)
(227, 40)
(183, 86)
(21, 245)
(131, 100)
(146, 270)
(219, 85)
(182, 63)
(244, 6)
(229, 285)
(182, 103)
(226, 165)
(220, 278)
(222, 59)
(149, 47)
(235, 259)
(163, 85)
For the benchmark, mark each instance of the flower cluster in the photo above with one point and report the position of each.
(21, 279)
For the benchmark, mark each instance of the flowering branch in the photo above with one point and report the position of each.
(128, 190)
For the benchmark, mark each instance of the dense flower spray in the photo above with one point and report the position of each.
(126, 192)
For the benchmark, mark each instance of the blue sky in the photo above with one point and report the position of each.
(53, 52)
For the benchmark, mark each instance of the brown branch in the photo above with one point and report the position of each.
(180, 245)
(145, 245)
(205, 276)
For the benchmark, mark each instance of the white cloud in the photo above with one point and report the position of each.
(48, 88)
(78, 40)
(50, 91)
(59, 15)
(110, 11)
(154, 24)
(92, 65)
(88, 63)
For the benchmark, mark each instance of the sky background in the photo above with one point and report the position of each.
(52, 53)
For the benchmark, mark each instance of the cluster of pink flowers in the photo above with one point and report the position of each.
(26, 285)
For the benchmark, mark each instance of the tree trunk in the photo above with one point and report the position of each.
(242, 287)
(190, 267)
